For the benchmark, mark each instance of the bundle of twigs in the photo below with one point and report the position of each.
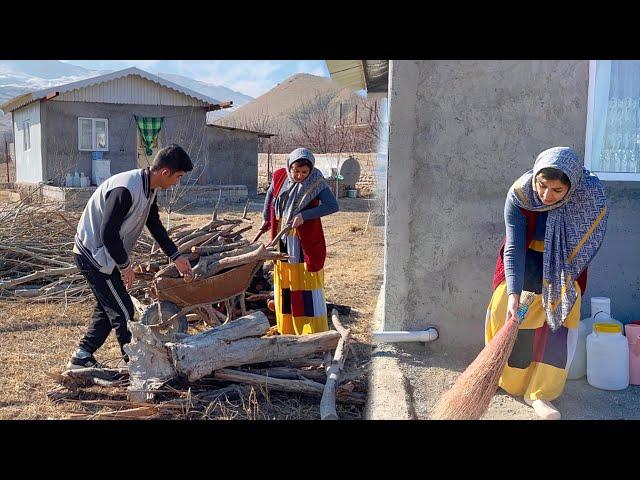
(36, 259)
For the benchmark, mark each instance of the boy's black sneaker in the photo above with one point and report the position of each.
(84, 362)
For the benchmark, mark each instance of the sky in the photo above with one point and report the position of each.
(251, 77)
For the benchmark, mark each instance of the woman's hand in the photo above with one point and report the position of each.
(297, 221)
(512, 307)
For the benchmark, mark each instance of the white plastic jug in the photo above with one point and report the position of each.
(600, 312)
(607, 357)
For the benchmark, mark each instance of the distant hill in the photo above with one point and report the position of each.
(285, 98)
(272, 111)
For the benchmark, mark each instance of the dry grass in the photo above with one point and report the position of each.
(39, 338)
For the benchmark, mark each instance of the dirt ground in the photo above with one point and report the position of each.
(39, 338)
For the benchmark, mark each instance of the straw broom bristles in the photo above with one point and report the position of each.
(470, 396)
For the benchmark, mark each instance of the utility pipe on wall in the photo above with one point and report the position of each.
(427, 335)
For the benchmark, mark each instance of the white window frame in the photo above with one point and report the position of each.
(94, 147)
(26, 135)
(611, 176)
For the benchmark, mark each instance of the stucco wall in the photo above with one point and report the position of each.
(233, 158)
(615, 272)
(460, 133)
(183, 125)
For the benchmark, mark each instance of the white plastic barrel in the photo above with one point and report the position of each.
(601, 313)
(607, 357)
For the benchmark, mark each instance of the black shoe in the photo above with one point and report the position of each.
(84, 362)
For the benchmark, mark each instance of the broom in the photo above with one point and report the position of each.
(469, 397)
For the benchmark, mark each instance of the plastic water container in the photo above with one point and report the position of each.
(607, 357)
(600, 312)
(633, 340)
(100, 171)
(68, 181)
(76, 179)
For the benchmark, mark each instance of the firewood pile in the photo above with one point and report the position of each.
(190, 376)
(36, 260)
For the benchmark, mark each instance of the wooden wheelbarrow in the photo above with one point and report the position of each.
(175, 297)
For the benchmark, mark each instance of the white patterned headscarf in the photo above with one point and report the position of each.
(294, 196)
(574, 232)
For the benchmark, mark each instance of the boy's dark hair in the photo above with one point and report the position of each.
(174, 158)
(551, 173)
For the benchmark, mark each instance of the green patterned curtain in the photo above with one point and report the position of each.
(149, 128)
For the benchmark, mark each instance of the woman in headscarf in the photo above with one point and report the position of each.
(297, 197)
(555, 218)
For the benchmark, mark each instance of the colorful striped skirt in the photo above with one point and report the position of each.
(539, 363)
(298, 294)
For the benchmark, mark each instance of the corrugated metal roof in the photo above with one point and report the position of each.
(260, 134)
(348, 73)
(370, 75)
(25, 99)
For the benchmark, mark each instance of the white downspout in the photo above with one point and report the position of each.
(427, 335)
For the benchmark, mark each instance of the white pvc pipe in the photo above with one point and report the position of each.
(427, 335)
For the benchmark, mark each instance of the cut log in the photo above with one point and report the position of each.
(260, 253)
(328, 401)
(208, 250)
(149, 363)
(186, 247)
(307, 387)
(197, 363)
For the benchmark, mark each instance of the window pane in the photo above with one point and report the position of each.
(85, 134)
(101, 134)
(619, 142)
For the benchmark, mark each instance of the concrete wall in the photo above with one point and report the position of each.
(232, 159)
(615, 271)
(183, 125)
(359, 169)
(460, 133)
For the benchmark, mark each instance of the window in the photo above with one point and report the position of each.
(26, 135)
(612, 144)
(93, 134)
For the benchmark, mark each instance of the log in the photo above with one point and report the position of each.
(328, 401)
(228, 345)
(53, 272)
(149, 364)
(86, 377)
(307, 387)
(291, 373)
(261, 253)
(219, 248)
(186, 247)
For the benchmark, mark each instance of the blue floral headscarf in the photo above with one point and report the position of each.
(574, 232)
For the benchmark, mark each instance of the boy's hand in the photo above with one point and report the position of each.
(184, 267)
(128, 276)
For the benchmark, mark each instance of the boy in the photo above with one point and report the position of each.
(108, 230)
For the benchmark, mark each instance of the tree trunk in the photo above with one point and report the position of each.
(201, 355)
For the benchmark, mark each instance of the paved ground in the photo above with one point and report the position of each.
(426, 371)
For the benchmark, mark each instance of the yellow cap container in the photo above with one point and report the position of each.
(607, 328)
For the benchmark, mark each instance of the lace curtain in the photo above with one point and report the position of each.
(616, 126)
